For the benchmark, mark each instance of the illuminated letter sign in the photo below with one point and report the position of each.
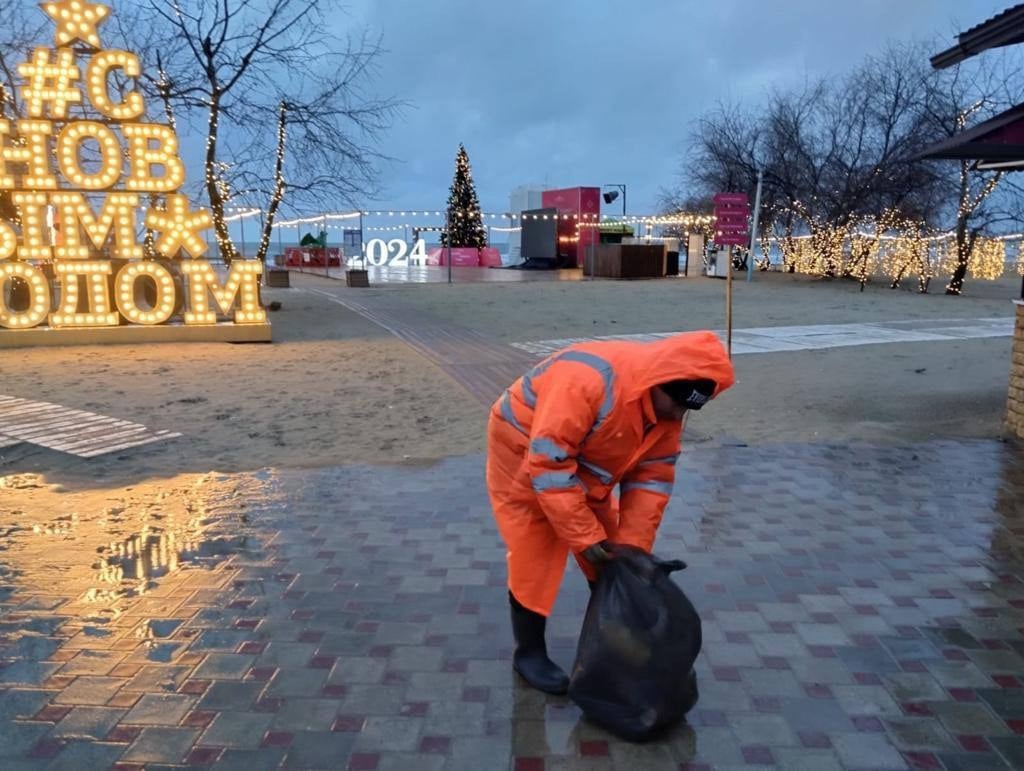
(85, 171)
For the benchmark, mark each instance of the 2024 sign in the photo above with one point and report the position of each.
(395, 253)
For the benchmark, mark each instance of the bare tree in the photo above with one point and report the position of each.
(830, 153)
(845, 154)
(285, 117)
(18, 31)
(282, 108)
(978, 201)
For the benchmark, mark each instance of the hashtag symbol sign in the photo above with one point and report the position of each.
(50, 83)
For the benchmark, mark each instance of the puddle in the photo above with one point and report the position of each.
(149, 555)
(88, 555)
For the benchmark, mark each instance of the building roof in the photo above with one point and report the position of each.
(995, 143)
(1004, 29)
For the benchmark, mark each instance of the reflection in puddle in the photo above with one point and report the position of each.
(105, 571)
(99, 547)
(152, 554)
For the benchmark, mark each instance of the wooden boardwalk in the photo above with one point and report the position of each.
(483, 367)
(76, 432)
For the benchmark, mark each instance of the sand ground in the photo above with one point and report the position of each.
(334, 388)
(552, 310)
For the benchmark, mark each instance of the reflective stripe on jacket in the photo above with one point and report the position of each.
(584, 423)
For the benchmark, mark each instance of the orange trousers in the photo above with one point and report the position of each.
(536, 555)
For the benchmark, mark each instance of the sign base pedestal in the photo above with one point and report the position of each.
(135, 335)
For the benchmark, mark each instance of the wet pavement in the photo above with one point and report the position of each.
(386, 275)
(862, 608)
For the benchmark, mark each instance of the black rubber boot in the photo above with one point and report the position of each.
(531, 657)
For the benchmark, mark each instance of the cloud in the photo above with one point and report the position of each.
(585, 93)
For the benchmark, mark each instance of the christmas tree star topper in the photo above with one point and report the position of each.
(77, 20)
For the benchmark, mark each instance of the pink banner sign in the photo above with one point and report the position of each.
(731, 199)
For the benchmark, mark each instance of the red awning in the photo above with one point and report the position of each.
(1005, 29)
(996, 143)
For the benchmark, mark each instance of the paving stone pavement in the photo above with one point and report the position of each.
(862, 608)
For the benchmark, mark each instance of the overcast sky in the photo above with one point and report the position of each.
(589, 92)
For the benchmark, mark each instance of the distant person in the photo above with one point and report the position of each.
(561, 439)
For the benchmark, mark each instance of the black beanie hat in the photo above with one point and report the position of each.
(691, 394)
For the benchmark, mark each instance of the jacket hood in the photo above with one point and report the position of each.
(689, 356)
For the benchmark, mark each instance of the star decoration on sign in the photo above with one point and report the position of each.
(179, 227)
(77, 20)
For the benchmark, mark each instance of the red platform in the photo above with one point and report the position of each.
(303, 257)
(465, 257)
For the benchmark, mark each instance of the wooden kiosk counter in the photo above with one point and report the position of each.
(625, 261)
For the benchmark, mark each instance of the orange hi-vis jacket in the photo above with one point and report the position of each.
(568, 432)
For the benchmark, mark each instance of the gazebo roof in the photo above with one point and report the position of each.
(996, 143)
(1004, 29)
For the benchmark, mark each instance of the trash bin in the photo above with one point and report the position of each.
(718, 264)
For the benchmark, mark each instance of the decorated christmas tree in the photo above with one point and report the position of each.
(465, 222)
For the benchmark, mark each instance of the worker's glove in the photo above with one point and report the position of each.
(598, 553)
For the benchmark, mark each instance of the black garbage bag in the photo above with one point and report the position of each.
(634, 665)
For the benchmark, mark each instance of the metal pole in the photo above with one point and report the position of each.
(327, 256)
(243, 237)
(728, 301)
(448, 239)
(623, 202)
(362, 244)
(755, 225)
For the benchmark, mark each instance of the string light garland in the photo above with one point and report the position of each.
(237, 215)
(889, 244)
(594, 219)
(279, 180)
(988, 262)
